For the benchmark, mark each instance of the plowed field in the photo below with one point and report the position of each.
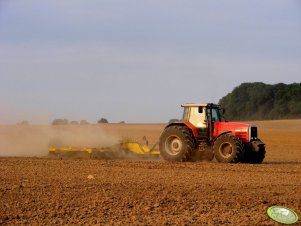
(41, 191)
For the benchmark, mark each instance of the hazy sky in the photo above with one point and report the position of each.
(138, 60)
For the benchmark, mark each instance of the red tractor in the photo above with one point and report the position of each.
(202, 133)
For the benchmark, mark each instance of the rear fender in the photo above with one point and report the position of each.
(191, 127)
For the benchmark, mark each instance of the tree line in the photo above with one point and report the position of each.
(260, 101)
(64, 121)
(248, 101)
(82, 122)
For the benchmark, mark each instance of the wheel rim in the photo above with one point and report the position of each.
(226, 149)
(173, 145)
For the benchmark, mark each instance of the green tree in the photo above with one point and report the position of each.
(102, 120)
(257, 101)
(60, 122)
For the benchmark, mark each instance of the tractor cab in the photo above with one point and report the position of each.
(202, 116)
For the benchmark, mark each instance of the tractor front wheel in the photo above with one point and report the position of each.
(254, 157)
(228, 149)
(177, 144)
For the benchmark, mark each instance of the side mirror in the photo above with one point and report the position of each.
(223, 111)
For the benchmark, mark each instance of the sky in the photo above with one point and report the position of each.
(138, 61)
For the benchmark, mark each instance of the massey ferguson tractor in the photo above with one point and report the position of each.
(202, 134)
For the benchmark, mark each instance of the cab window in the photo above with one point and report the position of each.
(215, 115)
(185, 114)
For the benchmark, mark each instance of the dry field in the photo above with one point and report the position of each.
(41, 191)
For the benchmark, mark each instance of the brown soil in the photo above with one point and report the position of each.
(127, 192)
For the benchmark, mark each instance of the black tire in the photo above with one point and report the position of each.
(177, 144)
(254, 157)
(228, 149)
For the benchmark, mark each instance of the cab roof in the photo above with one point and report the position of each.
(200, 105)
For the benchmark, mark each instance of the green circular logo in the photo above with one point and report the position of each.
(282, 215)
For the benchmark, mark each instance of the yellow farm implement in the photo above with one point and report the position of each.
(126, 149)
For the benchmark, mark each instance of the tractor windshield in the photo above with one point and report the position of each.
(216, 115)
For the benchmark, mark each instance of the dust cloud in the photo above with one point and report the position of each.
(33, 141)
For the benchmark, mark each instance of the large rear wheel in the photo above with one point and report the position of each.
(177, 144)
(228, 149)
